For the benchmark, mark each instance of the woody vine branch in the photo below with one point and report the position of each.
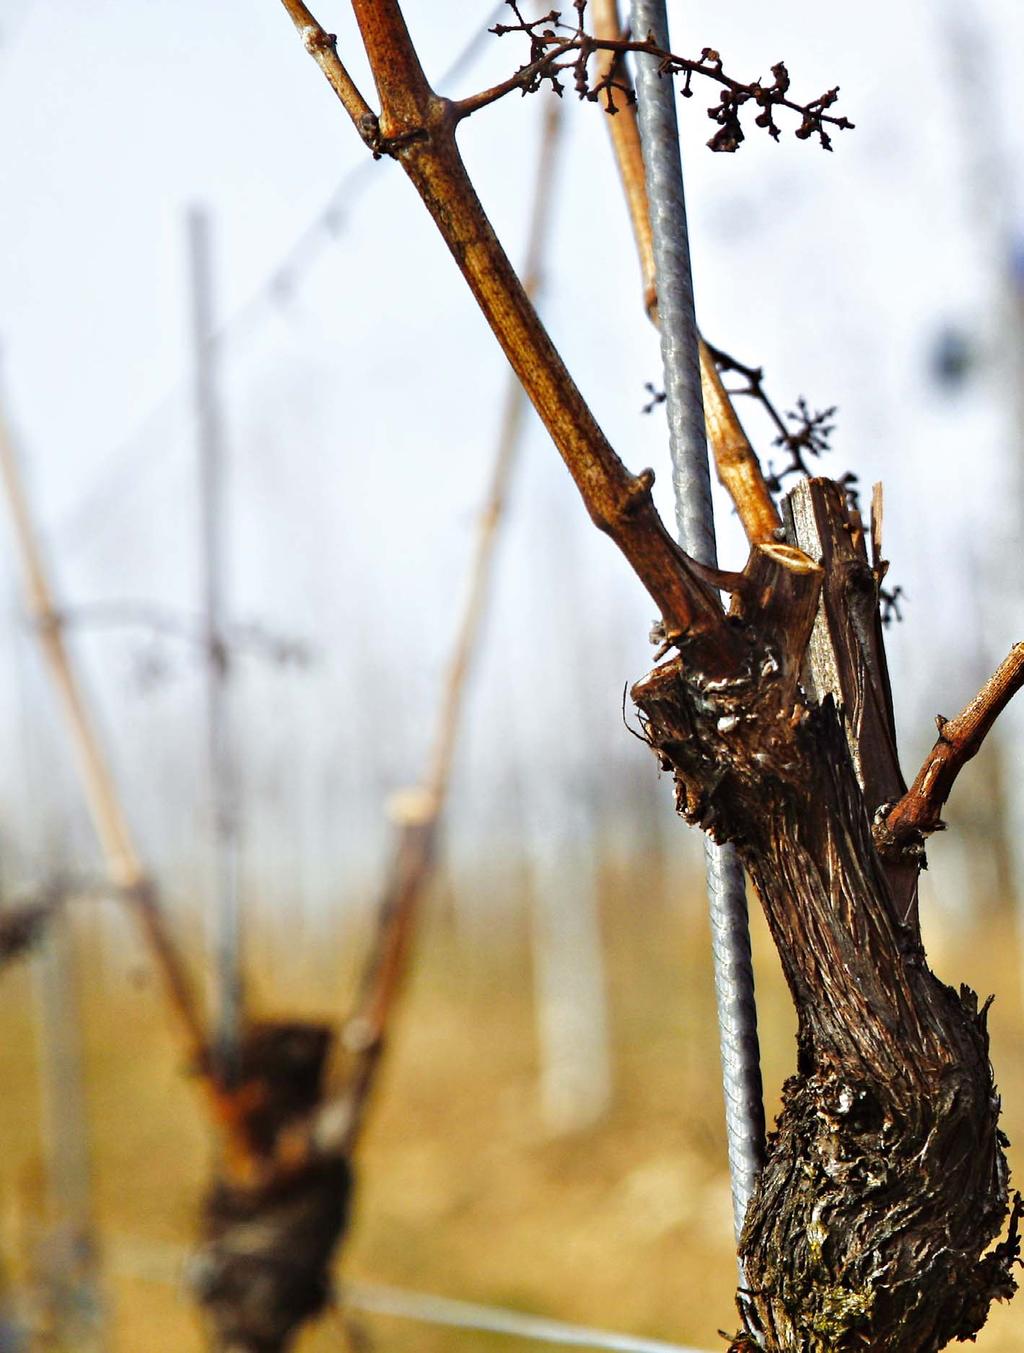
(557, 48)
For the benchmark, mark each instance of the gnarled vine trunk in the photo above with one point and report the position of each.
(885, 1180)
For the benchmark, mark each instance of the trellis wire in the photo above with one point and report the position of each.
(734, 978)
(159, 1262)
(378, 1299)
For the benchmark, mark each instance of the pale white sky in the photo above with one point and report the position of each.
(361, 412)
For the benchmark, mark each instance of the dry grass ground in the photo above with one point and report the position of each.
(626, 1225)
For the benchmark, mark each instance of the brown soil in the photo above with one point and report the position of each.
(461, 1192)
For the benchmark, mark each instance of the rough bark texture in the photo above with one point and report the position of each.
(271, 1224)
(885, 1181)
(846, 655)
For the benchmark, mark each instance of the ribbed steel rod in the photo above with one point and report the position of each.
(734, 977)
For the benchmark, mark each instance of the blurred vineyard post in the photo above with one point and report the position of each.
(564, 853)
(994, 819)
(225, 923)
(66, 1259)
(564, 856)
(272, 1228)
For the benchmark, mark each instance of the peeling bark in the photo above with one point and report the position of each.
(885, 1181)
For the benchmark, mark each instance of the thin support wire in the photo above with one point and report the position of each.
(378, 1299)
(160, 1262)
(734, 978)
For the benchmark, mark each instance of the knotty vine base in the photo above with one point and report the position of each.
(885, 1180)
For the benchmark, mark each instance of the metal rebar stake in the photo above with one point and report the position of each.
(734, 977)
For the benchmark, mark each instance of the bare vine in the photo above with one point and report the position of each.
(656, 397)
(889, 604)
(901, 827)
(560, 49)
(799, 432)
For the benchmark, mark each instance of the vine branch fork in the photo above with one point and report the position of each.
(902, 827)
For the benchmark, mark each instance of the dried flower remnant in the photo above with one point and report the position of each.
(808, 435)
(656, 397)
(889, 602)
(558, 48)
